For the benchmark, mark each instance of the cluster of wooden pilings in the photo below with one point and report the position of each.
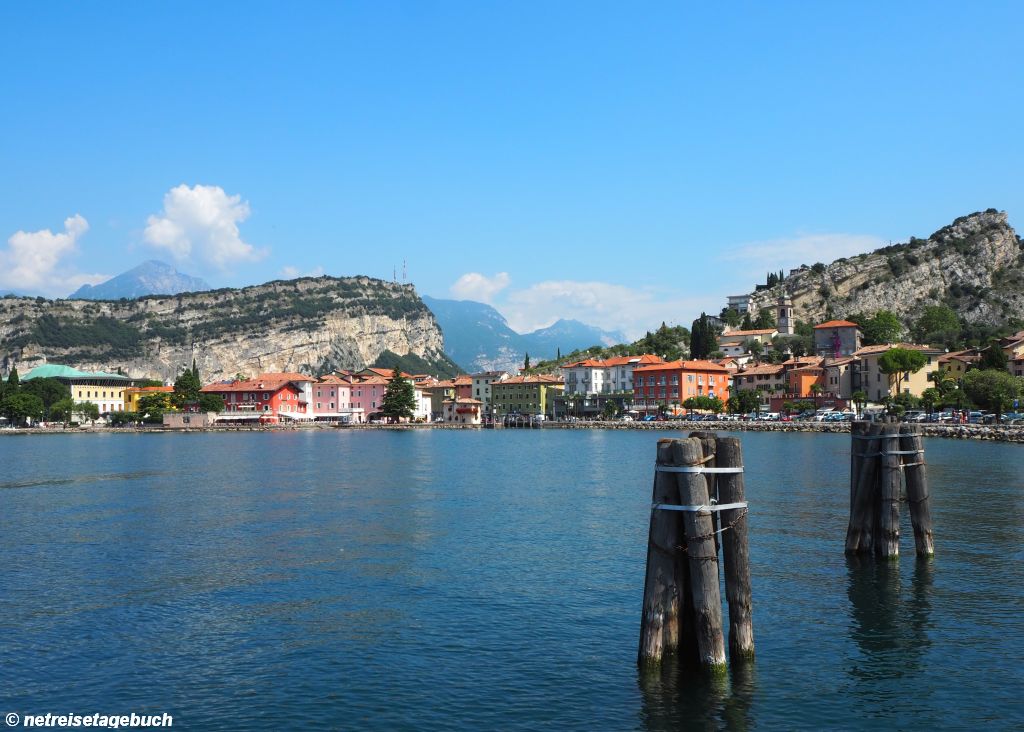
(879, 454)
(698, 507)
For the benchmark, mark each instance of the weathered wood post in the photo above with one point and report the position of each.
(735, 550)
(858, 430)
(659, 623)
(917, 490)
(887, 538)
(862, 508)
(709, 445)
(700, 550)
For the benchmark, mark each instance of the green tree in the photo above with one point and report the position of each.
(882, 327)
(755, 349)
(731, 316)
(747, 323)
(399, 398)
(186, 388)
(62, 410)
(899, 363)
(151, 407)
(860, 399)
(88, 410)
(211, 403)
(930, 398)
(49, 390)
(703, 337)
(744, 401)
(610, 410)
(993, 357)
(765, 319)
(19, 407)
(938, 325)
(816, 390)
(993, 390)
(526, 362)
(13, 382)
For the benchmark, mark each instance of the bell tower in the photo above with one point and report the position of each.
(785, 323)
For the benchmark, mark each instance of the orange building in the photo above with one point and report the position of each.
(674, 382)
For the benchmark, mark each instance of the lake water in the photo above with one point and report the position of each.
(436, 580)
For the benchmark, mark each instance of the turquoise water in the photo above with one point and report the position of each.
(437, 580)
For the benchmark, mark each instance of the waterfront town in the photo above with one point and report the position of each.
(842, 376)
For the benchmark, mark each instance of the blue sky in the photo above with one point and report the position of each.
(619, 163)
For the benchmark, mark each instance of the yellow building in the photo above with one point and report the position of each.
(104, 390)
(870, 379)
(132, 394)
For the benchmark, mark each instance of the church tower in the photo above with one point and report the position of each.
(785, 323)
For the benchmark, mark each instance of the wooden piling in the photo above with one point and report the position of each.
(887, 527)
(700, 550)
(708, 444)
(917, 490)
(659, 623)
(735, 551)
(858, 430)
(859, 534)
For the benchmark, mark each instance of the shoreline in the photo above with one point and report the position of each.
(1013, 434)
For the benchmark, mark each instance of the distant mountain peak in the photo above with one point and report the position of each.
(152, 277)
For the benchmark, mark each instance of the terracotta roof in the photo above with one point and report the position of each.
(263, 382)
(756, 332)
(462, 400)
(799, 360)
(837, 324)
(386, 373)
(838, 361)
(536, 379)
(699, 365)
(586, 363)
(333, 379)
(488, 374)
(882, 348)
(647, 358)
(463, 381)
(151, 389)
(373, 380)
(770, 368)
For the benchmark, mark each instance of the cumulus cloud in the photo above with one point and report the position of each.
(36, 261)
(475, 286)
(786, 253)
(201, 224)
(605, 305)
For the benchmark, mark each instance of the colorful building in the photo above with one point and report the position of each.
(268, 398)
(607, 376)
(525, 395)
(672, 383)
(870, 379)
(462, 411)
(837, 338)
(332, 399)
(104, 390)
(132, 394)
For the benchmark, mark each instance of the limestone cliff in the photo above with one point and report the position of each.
(309, 325)
(975, 265)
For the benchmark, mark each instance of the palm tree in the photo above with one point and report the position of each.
(816, 390)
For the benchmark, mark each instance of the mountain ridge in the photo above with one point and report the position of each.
(152, 277)
(480, 338)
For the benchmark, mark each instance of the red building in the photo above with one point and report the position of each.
(268, 398)
(674, 382)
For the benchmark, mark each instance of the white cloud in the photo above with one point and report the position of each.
(475, 286)
(201, 224)
(290, 272)
(759, 257)
(602, 304)
(35, 261)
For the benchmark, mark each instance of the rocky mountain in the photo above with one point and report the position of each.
(975, 266)
(478, 336)
(310, 325)
(149, 278)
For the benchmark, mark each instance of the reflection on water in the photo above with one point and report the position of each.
(889, 624)
(678, 697)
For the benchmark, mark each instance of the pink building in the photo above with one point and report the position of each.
(332, 400)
